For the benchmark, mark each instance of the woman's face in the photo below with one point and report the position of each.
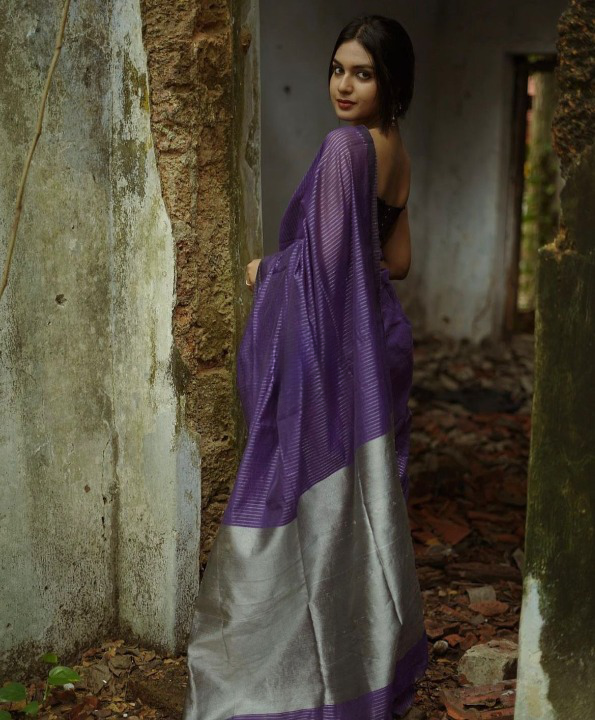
(354, 80)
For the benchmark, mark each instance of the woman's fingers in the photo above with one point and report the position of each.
(251, 269)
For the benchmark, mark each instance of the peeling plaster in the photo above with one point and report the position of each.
(532, 701)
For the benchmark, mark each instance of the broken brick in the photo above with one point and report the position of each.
(489, 608)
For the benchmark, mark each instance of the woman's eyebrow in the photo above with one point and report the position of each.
(358, 67)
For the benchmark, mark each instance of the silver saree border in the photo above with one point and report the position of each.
(315, 612)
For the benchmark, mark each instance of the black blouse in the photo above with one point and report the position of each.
(387, 216)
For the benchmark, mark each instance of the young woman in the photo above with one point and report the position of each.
(309, 608)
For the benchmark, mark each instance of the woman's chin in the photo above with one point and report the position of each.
(348, 117)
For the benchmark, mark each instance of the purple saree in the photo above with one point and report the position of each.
(310, 608)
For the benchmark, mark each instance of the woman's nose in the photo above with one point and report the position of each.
(344, 83)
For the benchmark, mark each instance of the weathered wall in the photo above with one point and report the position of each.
(557, 633)
(203, 64)
(457, 133)
(58, 537)
(99, 472)
(157, 454)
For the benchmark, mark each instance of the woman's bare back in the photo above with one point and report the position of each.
(394, 170)
(394, 181)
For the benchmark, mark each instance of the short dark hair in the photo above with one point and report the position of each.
(391, 49)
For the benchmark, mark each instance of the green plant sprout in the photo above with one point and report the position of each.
(17, 692)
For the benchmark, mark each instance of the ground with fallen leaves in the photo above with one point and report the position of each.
(469, 455)
(468, 464)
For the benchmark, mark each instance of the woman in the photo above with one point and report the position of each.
(309, 608)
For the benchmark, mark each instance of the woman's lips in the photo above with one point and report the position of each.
(345, 104)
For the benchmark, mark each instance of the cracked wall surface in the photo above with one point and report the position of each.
(557, 646)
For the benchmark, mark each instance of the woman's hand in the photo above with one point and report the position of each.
(251, 270)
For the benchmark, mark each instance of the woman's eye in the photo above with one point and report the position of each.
(363, 74)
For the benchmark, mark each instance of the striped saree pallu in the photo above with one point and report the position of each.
(309, 608)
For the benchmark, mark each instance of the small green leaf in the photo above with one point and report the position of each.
(5, 715)
(31, 708)
(13, 692)
(50, 657)
(61, 674)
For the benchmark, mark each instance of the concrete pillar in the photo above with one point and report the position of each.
(99, 471)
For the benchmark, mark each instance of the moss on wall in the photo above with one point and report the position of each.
(56, 417)
(558, 680)
(573, 129)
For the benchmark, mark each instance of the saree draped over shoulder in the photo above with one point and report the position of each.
(309, 608)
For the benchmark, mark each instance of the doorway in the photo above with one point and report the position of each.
(535, 183)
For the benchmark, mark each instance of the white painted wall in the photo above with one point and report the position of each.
(457, 133)
(469, 144)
